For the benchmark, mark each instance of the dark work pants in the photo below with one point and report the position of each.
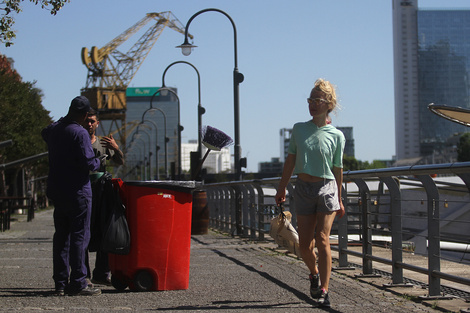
(71, 238)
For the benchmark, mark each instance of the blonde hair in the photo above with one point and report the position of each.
(328, 89)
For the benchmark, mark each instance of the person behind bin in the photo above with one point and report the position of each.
(105, 145)
(71, 158)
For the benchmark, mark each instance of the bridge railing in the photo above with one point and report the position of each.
(419, 209)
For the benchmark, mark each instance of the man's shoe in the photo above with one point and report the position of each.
(324, 300)
(315, 290)
(87, 291)
(58, 292)
(105, 281)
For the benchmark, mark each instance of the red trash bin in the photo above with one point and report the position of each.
(159, 218)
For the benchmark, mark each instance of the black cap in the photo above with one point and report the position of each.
(80, 104)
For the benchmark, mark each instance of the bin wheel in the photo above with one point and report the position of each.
(143, 280)
(118, 283)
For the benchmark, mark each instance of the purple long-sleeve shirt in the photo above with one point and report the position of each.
(71, 158)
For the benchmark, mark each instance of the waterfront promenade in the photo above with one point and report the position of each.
(227, 274)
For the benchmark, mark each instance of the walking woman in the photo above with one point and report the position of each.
(315, 154)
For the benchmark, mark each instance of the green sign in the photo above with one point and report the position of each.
(141, 91)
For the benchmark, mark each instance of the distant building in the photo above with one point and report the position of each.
(285, 134)
(274, 167)
(349, 146)
(431, 65)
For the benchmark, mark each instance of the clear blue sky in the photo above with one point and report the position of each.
(283, 47)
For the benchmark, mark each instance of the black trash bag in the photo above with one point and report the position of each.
(102, 207)
(116, 236)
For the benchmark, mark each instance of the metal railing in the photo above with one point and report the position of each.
(417, 208)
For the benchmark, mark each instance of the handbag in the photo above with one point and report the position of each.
(283, 233)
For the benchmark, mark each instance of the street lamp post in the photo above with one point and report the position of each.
(186, 49)
(144, 155)
(156, 147)
(149, 152)
(164, 129)
(180, 128)
(130, 147)
(200, 109)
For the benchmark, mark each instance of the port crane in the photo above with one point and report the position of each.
(110, 71)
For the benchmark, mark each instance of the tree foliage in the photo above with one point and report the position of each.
(352, 164)
(463, 148)
(11, 7)
(22, 115)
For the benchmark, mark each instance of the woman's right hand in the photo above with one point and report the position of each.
(280, 196)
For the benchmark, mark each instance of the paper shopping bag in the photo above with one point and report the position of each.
(284, 234)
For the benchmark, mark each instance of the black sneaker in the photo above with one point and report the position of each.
(87, 291)
(315, 290)
(324, 300)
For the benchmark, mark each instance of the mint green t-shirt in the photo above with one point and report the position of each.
(317, 150)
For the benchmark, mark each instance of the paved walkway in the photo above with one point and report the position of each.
(226, 274)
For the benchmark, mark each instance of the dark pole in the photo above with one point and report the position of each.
(237, 79)
(156, 147)
(200, 109)
(164, 129)
(180, 128)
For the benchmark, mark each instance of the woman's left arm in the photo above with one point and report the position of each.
(338, 173)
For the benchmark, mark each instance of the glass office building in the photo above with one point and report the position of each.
(431, 65)
(443, 69)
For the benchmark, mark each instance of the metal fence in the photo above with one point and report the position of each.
(418, 209)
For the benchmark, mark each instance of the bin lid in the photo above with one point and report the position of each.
(175, 185)
(95, 176)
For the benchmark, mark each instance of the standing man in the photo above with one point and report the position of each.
(101, 146)
(105, 145)
(71, 158)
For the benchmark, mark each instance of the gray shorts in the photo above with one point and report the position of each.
(310, 198)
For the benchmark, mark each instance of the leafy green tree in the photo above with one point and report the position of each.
(463, 148)
(22, 118)
(10, 7)
(352, 164)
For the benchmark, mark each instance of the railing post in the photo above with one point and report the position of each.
(233, 216)
(343, 235)
(31, 209)
(244, 218)
(260, 192)
(434, 237)
(397, 242)
(364, 193)
(251, 205)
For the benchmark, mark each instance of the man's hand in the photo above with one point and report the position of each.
(109, 142)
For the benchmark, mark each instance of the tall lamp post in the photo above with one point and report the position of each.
(131, 146)
(180, 128)
(150, 142)
(164, 129)
(157, 173)
(200, 109)
(133, 141)
(186, 49)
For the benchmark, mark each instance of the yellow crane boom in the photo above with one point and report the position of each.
(110, 71)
